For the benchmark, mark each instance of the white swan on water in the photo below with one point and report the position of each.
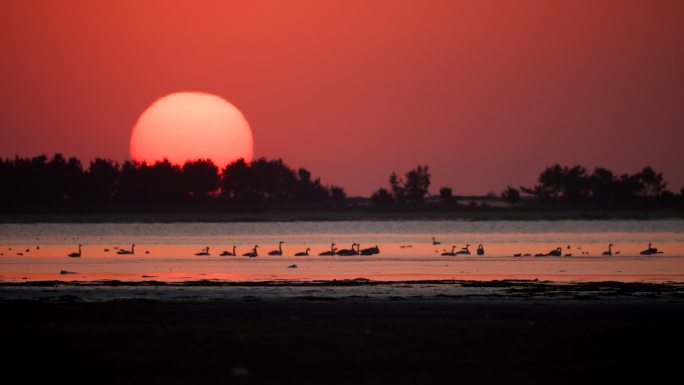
(228, 253)
(252, 253)
(464, 250)
(650, 250)
(450, 253)
(331, 251)
(76, 254)
(204, 251)
(610, 250)
(124, 251)
(279, 251)
(303, 253)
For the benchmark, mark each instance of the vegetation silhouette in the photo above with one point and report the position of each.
(563, 185)
(410, 190)
(60, 185)
(40, 184)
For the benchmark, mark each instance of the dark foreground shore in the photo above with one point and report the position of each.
(480, 337)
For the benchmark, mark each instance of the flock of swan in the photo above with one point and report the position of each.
(356, 249)
(558, 252)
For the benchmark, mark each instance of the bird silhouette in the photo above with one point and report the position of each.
(226, 253)
(650, 250)
(124, 251)
(368, 251)
(204, 251)
(609, 251)
(303, 253)
(279, 251)
(329, 252)
(450, 253)
(464, 250)
(480, 249)
(351, 251)
(252, 253)
(555, 252)
(76, 254)
(435, 242)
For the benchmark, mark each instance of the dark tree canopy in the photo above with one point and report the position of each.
(574, 185)
(59, 184)
(447, 196)
(511, 195)
(412, 189)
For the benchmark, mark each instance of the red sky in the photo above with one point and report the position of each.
(487, 93)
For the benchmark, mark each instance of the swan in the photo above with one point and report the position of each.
(610, 250)
(435, 242)
(369, 251)
(252, 253)
(76, 254)
(303, 253)
(450, 253)
(331, 251)
(228, 253)
(480, 249)
(204, 251)
(650, 250)
(351, 251)
(131, 251)
(556, 252)
(279, 251)
(464, 250)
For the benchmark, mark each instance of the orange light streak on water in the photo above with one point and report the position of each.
(420, 262)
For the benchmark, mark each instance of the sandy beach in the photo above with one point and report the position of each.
(341, 332)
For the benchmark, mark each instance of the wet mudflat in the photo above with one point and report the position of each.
(524, 333)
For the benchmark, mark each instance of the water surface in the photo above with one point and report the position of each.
(166, 251)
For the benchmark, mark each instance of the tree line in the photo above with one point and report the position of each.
(601, 188)
(557, 186)
(41, 184)
(58, 184)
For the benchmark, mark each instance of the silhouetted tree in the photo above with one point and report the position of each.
(382, 197)
(417, 184)
(308, 190)
(573, 185)
(337, 194)
(200, 179)
(651, 184)
(447, 196)
(102, 181)
(397, 186)
(272, 181)
(511, 195)
(237, 182)
(411, 190)
(604, 186)
(160, 185)
(57, 184)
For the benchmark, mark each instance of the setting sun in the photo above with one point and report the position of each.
(191, 125)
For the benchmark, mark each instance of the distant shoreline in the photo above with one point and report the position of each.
(344, 214)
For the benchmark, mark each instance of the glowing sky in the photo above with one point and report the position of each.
(487, 93)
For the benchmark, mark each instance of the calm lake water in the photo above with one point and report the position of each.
(166, 251)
